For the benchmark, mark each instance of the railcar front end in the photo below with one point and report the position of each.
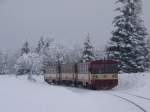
(104, 74)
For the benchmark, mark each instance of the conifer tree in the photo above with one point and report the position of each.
(88, 50)
(43, 46)
(147, 59)
(43, 50)
(40, 45)
(25, 49)
(127, 44)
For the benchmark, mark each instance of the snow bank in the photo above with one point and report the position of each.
(138, 83)
(21, 95)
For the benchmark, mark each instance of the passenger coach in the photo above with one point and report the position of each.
(99, 74)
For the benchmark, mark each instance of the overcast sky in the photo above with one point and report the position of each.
(67, 21)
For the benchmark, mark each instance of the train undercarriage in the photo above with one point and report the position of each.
(94, 85)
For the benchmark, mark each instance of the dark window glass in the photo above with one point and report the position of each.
(104, 68)
(67, 68)
(52, 69)
(83, 68)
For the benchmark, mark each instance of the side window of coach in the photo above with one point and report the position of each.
(83, 68)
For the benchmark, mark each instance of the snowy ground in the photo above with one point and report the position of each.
(20, 95)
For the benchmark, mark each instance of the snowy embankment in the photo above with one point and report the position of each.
(138, 84)
(21, 95)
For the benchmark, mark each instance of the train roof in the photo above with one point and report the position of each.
(104, 62)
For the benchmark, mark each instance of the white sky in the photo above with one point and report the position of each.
(67, 21)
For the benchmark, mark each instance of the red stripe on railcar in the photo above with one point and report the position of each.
(104, 84)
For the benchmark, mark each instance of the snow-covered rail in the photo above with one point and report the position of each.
(131, 102)
(137, 96)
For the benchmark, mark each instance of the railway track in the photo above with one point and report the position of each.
(130, 101)
(138, 96)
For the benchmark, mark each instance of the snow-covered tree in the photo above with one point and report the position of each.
(147, 59)
(43, 49)
(3, 63)
(23, 64)
(127, 44)
(57, 53)
(44, 45)
(40, 46)
(73, 55)
(36, 63)
(88, 50)
(100, 54)
(12, 58)
(30, 63)
(25, 48)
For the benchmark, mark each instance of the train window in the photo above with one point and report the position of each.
(97, 69)
(51, 69)
(83, 68)
(67, 68)
(104, 68)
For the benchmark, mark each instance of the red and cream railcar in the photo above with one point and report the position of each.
(99, 74)
(104, 74)
(60, 74)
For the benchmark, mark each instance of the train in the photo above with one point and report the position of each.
(96, 75)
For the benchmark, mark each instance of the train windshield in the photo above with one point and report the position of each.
(104, 68)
